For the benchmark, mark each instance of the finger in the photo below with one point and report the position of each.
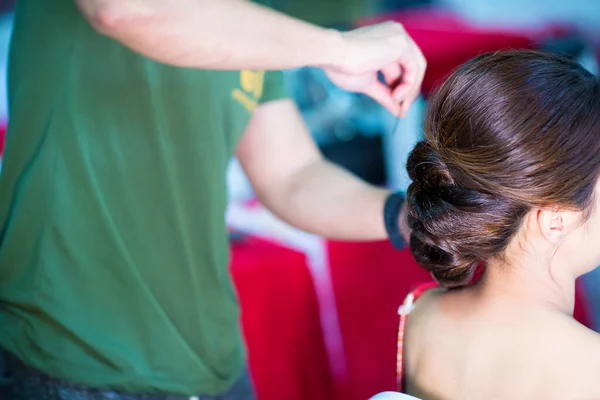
(411, 89)
(392, 74)
(406, 104)
(413, 71)
(407, 84)
(414, 95)
(383, 95)
(401, 91)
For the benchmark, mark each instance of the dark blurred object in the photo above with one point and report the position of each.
(572, 45)
(395, 5)
(6, 6)
(237, 237)
(577, 47)
(362, 155)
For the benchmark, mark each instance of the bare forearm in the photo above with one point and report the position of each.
(329, 201)
(213, 34)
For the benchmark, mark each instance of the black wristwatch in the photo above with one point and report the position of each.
(391, 217)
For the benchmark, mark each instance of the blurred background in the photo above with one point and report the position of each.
(358, 287)
(320, 316)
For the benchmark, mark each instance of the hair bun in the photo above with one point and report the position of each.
(436, 206)
(427, 167)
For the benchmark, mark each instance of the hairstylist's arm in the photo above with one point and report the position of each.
(239, 34)
(295, 182)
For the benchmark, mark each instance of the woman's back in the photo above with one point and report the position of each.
(461, 345)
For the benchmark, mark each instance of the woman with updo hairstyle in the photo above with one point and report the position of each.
(505, 185)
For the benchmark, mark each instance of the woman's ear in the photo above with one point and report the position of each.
(554, 223)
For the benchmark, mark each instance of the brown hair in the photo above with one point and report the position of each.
(506, 132)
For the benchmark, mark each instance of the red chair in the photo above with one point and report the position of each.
(280, 319)
(370, 281)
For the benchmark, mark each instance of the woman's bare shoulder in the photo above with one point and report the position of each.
(439, 303)
(428, 299)
(577, 360)
(549, 348)
(560, 354)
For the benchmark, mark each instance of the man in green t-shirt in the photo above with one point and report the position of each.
(123, 117)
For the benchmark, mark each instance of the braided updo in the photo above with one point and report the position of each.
(507, 132)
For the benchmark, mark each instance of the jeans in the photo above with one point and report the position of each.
(21, 382)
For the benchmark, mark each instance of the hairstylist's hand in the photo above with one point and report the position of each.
(387, 48)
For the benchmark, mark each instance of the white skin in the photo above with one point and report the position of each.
(512, 335)
(277, 152)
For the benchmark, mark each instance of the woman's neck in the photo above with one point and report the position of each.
(528, 283)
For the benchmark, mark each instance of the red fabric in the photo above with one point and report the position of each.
(371, 280)
(280, 321)
(2, 138)
(583, 311)
(447, 40)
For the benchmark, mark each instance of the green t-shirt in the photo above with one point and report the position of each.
(328, 12)
(113, 245)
